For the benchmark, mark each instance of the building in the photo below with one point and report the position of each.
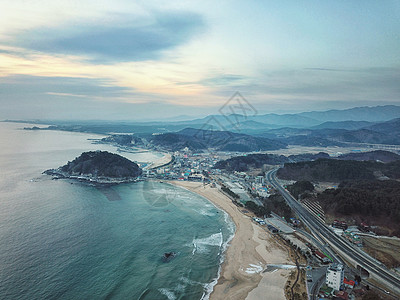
(342, 295)
(322, 257)
(353, 237)
(335, 276)
(349, 283)
(260, 179)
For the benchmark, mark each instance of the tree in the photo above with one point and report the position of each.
(357, 278)
(259, 211)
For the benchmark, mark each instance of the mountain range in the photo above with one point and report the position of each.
(199, 139)
(373, 125)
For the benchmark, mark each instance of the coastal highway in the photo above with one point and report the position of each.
(387, 278)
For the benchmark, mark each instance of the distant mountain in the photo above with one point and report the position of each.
(330, 134)
(381, 133)
(319, 119)
(310, 141)
(247, 126)
(366, 113)
(349, 125)
(361, 136)
(286, 132)
(197, 139)
(267, 121)
(288, 120)
(389, 127)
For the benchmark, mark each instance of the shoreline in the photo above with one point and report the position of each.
(57, 174)
(241, 273)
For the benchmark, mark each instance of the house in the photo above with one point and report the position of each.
(342, 295)
(325, 291)
(349, 283)
(322, 257)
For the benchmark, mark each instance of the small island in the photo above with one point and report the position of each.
(98, 167)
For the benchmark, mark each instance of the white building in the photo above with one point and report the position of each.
(335, 276)
(260, 180)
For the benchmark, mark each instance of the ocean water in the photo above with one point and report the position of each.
(60, 239)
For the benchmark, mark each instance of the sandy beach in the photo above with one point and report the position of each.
(165, 159)
(251, 249)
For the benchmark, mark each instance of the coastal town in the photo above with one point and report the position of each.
(311, 267)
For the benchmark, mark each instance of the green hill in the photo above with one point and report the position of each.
(99, 166)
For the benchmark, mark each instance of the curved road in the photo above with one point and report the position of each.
(387, 278)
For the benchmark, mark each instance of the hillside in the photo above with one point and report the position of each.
(327, 170)
(349, 125)
(380, 133)
(175, 142)
(366, 113)
(378, 155)
(338, 170)
(338, 133)
(123, 140)
(310, 141)
(94, 165)
(391, 126)
(244, 163)
(197, 139)
(362, 136)
(375, 202)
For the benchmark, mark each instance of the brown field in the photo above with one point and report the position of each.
(385, 250)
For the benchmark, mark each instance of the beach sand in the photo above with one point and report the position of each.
(250, 250)
(165, 159)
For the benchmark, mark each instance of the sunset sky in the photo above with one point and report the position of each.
(135, 60)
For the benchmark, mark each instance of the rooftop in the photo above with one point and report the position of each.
(335, 267)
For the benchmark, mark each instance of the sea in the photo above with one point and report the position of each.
(62, 239)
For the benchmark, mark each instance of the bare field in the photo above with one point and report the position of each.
(384, 249)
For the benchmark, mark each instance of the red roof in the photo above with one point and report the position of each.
(320, 254)
(349, 282)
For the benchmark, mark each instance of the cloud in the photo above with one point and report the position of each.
(323, 69)
(35, 97)
(216, 81)
(25, 85)
(114, 41)
(223, 80)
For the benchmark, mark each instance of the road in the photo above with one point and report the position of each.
(321, 231)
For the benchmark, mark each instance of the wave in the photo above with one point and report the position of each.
(205, 212)
(209, 287)
(201, 245)
(166, 292)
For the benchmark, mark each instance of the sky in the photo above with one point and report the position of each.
(137, 60)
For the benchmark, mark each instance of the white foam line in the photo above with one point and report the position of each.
(170, 295)
(209, 287)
